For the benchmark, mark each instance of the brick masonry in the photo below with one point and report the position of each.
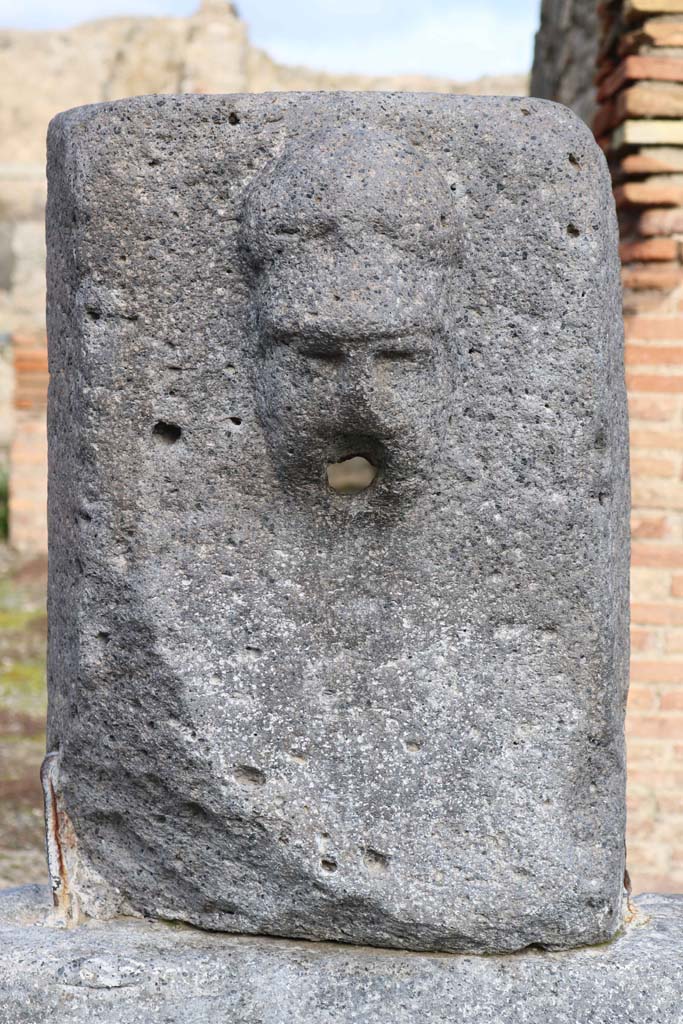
(639, 124)
(629, 86)
(28, 447)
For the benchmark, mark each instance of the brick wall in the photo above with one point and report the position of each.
(638, 124)
(634, 75)
(654, 355)
(28, 449)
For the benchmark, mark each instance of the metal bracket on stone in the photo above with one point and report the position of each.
(59, 842)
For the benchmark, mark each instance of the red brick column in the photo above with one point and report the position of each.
(640, 127)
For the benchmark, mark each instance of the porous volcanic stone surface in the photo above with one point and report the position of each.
(392, 717)
(135, 972)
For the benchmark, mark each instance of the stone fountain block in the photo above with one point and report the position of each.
(389, 713)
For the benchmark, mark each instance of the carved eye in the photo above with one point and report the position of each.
(400, 355)
(323, 355)
(316, 228)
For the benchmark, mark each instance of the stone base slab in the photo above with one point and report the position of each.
(133, 971)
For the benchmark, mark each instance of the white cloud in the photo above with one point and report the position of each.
(461, 44)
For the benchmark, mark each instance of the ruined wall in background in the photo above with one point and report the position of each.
(566, 52)
(209, 52)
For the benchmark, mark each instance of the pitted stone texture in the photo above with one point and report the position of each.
(393, 717)
(134, 972)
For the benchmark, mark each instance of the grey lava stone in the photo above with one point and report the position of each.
(389, 713)
(139, 972)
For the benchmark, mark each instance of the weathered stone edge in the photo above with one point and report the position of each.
(133, 970)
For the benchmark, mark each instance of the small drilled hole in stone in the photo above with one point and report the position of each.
(352, 475)
(167, 433)
(573, 231)
(574, 160)
(233, 118)
(237, 420)
(248, 776)
(376, 863)
(329, 865)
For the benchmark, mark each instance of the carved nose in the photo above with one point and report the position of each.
(360, 407)
(358, 382)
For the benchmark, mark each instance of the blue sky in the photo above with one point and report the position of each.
(461, 39)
